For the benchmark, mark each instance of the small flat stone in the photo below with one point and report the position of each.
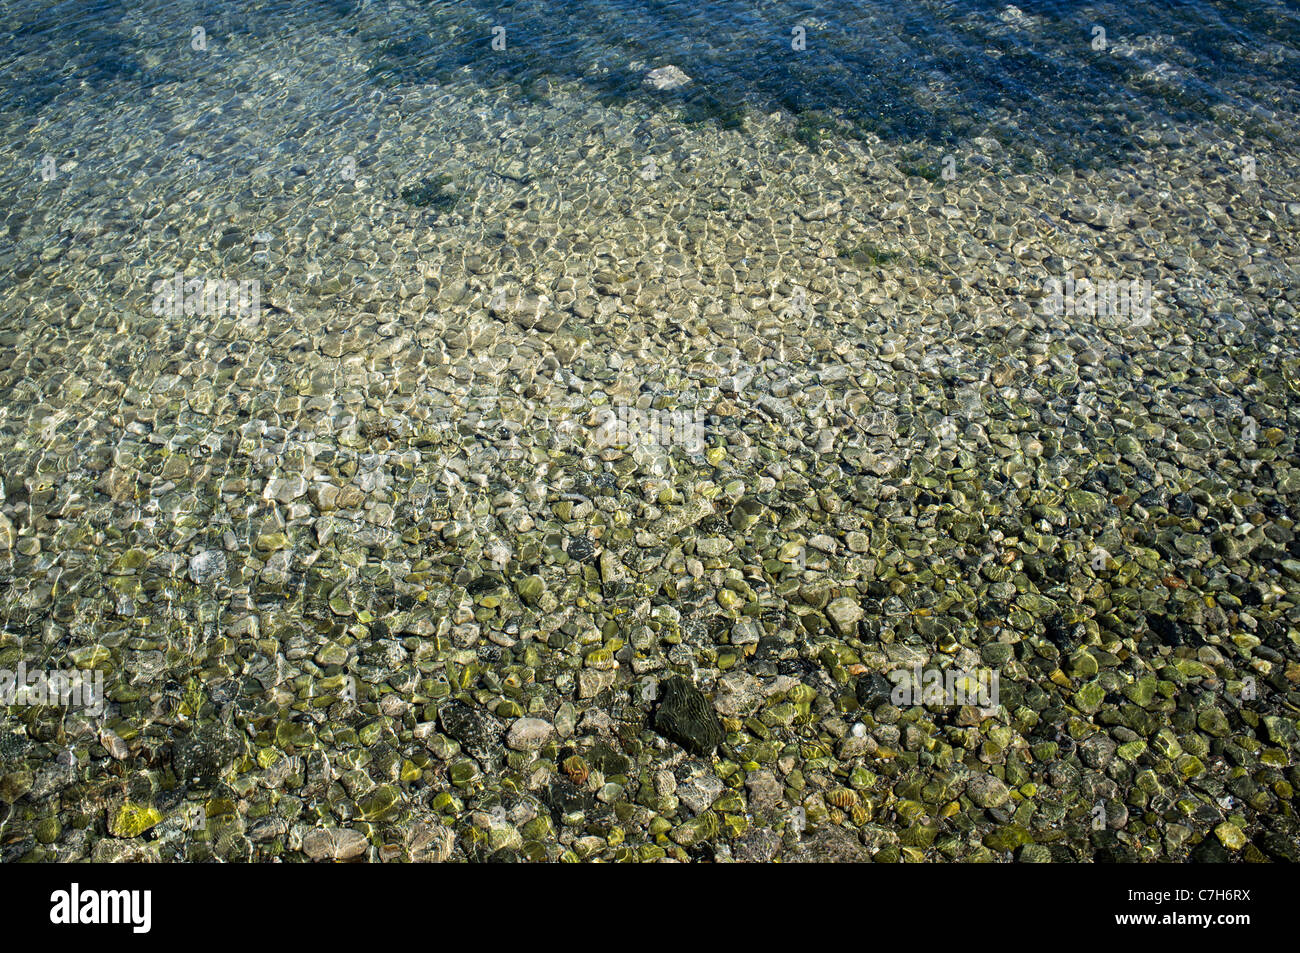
(698, 794)
(987, 791)
(829, 845)
(207, 566)
(665, 77)
(285, 489)
(342, 843)
(845, 613)
(529, 734)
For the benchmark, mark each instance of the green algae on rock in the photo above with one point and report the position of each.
(685, 716)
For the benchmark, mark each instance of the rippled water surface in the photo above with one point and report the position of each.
(535, 430)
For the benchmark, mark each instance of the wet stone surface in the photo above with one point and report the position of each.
(685, 716)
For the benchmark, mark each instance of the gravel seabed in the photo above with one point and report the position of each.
(368, 578)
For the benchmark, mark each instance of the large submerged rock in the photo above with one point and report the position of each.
(479, 734)
(686, 717)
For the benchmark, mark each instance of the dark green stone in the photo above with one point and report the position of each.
(686, 717)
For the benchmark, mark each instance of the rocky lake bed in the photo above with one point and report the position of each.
(525, 475)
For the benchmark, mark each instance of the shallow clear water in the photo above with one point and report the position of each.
(374, 376)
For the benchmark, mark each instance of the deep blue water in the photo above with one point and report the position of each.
(927, 70)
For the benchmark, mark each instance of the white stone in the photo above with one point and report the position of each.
(666, 77)
(207, 566)
(845, 613)
(529, 734)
